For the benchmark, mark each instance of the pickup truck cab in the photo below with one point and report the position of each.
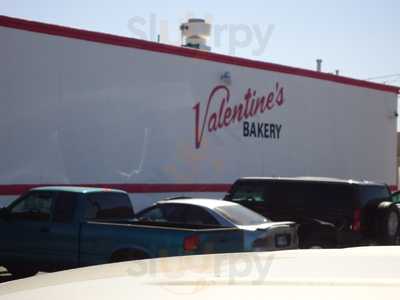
(53, 228)
(42, 229)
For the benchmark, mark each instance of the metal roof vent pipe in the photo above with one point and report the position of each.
(196, 32)
(319, 65)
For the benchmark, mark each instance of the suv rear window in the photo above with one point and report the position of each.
(372, 194)
(108, 206)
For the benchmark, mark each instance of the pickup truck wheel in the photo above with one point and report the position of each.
(127, 255)
(387, 223)
(22, 271)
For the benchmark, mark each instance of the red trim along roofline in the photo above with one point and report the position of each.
(174, 50)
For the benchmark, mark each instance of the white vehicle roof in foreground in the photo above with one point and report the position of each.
(208, 203)
(353, 273)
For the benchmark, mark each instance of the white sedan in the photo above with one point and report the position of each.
(259, 232)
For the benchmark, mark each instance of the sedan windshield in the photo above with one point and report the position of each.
(240, 215)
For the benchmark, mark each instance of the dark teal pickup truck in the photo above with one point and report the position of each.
(53, 228)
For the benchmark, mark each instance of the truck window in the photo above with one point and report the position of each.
(64, 207)
(108, 206)
(35, 206)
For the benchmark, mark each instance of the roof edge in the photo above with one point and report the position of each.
(116, 40)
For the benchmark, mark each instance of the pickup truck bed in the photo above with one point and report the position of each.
(150, 239)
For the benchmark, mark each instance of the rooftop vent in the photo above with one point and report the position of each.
(195, 32)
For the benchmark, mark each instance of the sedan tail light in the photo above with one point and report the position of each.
(191, 243)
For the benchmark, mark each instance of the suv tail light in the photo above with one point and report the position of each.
(191, 243)
(356, 220)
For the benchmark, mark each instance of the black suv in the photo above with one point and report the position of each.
(330, 212)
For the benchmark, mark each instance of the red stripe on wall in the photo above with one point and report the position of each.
(196, 54)
(17, 189)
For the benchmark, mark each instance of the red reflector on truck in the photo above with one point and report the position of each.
(191, 243)
(356, 220)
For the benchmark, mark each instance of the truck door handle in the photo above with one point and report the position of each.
(45, 229)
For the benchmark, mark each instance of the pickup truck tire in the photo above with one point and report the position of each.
(19, 271)
(387, 222)
(127, 255)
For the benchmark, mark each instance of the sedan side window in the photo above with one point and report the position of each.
(174, 213)
(153, 214)
(164, 213)
(198, 215)
(35, 206)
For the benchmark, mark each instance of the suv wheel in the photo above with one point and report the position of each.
(387, 222)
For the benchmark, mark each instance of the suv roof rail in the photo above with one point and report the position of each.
(315, 179)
